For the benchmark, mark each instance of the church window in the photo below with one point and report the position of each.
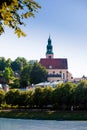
(49, 57)
(53, 72)
(63, 75)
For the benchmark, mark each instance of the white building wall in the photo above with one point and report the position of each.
(63, 72)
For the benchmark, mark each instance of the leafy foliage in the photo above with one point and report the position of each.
(38, 97)
(12, 97)
(2, 63)
(47, 95)
(81, 94)
(62, 97)
(18, 64)
(2, 96)
(16, 83)
(8, 74)
(25, 76)
(13, 13)
(20, 72)
(38, 74)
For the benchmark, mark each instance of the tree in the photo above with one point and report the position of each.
(25, 76)
(18, 64)
(57, 96)
(81, 95)
(30, 100)
(8, 74)
(13, 13)
(23, 98)
(67, 96)
(47, 96)
(62, 95)
(2, 96)
(37, 97)
(38, 74)
(16, 83)
(12, 97)
(8, 62)
(2, 63)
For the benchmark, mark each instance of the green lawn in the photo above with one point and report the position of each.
(45, 115)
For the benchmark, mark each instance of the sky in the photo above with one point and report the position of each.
(66, 23)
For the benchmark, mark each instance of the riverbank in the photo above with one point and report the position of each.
(44, 115)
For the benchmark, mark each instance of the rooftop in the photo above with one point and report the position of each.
(54, 63)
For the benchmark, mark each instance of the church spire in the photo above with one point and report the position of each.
(49, 40)
(49, 52)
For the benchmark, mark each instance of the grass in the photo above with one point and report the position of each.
(44, 115)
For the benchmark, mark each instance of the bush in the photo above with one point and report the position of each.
(2, 96)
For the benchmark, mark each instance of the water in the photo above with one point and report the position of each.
(18, 124)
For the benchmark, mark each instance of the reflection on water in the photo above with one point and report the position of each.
(18, 124)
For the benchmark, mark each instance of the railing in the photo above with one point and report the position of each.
(54, 75)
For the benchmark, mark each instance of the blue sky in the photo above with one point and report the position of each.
(65, 21)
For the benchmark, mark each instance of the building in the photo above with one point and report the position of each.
(32, 62)
(57, 67)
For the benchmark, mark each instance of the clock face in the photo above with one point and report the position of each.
(50, 66)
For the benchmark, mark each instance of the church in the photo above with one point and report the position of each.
(57, 67)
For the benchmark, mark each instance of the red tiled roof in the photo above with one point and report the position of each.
(55, 63)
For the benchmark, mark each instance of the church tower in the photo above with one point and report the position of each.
(57, 68)
(49, 52)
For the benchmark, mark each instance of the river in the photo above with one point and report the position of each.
(21, 124)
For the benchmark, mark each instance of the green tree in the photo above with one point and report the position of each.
(25, 76)
(80, 98)
(30, 100)
(2, 96)
(63, 96)
(37, 97)
(57, 96)
(2, 63)
(23, 98)
(38, 74)
(13, 13)
(12, 97)
(67, 96)
(47, 96)
(18, 64)
(8, 74)
(16, 83)
(8, 62)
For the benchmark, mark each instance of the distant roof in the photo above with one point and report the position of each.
(49, 83)
(54, 63)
